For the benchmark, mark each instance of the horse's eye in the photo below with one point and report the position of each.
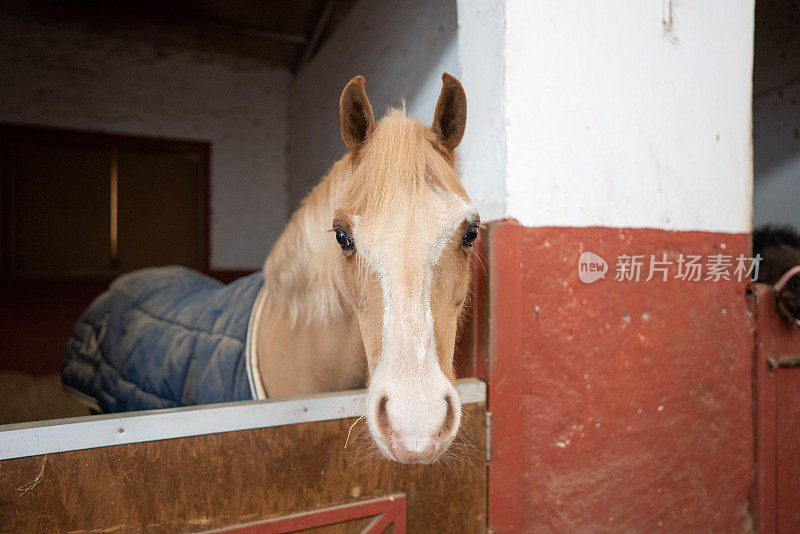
(343, 240)
(470, 236)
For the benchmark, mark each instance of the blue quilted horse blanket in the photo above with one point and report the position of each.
(164, 337)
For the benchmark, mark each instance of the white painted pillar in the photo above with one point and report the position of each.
(482, 153)
(612, 113)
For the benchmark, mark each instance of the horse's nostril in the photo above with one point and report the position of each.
(449, 416)
(383, 416)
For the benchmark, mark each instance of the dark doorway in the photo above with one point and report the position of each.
(80, 208)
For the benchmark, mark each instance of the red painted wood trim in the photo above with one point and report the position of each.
(505, 376)
(391, 509)
(764, 503)
(383, 521)
(776, 398)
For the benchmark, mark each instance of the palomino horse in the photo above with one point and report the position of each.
(374, 268)
(377, 263)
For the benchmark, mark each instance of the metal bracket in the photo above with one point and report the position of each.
(784, 362)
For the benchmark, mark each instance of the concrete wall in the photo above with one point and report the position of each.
(402, 48)
(62, 76)
(481, 50)
(776, 114)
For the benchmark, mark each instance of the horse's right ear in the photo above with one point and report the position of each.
(355, 114)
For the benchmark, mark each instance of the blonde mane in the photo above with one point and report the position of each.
(382, 182)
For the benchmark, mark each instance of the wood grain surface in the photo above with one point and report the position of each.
(206, 482)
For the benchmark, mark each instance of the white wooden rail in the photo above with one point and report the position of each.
(60, 435)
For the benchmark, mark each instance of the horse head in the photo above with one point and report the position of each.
(406, 228)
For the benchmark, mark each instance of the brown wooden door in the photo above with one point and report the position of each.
(58, 203)
(161, 209)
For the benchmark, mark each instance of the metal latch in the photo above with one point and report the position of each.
(784, 362)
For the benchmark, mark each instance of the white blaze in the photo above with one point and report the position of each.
(408, 373)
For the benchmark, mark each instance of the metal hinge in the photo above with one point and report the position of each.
(488, 436)
(785, 362)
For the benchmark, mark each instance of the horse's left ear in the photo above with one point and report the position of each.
(450, 117)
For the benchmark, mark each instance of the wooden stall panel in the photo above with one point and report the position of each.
(223, 480)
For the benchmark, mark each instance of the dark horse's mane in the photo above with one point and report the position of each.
(772, 235)
(779, 247)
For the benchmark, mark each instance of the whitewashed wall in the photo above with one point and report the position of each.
(776, 115)
(482, 56)
(619, 113)
(401, 48)
(58, 76)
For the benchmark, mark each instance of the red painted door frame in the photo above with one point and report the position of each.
(390, 510)
(497, 339)
(776, 397)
